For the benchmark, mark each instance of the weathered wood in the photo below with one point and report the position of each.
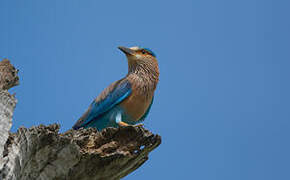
(8, 79)
(41, 152)
(7, 105)
(8, 75)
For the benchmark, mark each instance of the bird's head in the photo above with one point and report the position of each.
(143, 63)
(138, 55)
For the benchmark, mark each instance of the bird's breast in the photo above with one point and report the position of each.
(136, 105)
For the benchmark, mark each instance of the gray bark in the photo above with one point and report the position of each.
(41, 152)
(8, 79)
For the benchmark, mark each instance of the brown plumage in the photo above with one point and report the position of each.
(143, 74)
(128, 100)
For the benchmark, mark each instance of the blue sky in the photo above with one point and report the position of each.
(222, 104)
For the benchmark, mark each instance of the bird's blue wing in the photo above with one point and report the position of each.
(109, 98)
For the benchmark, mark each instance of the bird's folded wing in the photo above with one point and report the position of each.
(110, 97)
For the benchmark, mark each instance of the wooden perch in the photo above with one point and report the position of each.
(42, 153)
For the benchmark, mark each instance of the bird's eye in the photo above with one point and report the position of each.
(143, 51)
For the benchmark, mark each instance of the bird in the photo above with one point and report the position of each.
(125, 102)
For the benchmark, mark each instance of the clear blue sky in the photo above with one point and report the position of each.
(222, 105)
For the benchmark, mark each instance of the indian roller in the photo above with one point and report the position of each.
(128, 100)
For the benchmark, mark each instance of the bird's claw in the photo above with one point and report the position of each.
(139, 125)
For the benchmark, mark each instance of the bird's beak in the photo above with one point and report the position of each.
(125, 50)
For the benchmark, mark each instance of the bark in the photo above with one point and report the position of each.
(41, 152)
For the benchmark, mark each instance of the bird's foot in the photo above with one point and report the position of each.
(121, 123)
(139, 125)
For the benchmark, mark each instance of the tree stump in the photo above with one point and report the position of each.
(41, 152)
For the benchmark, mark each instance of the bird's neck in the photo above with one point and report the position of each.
(145, 75)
